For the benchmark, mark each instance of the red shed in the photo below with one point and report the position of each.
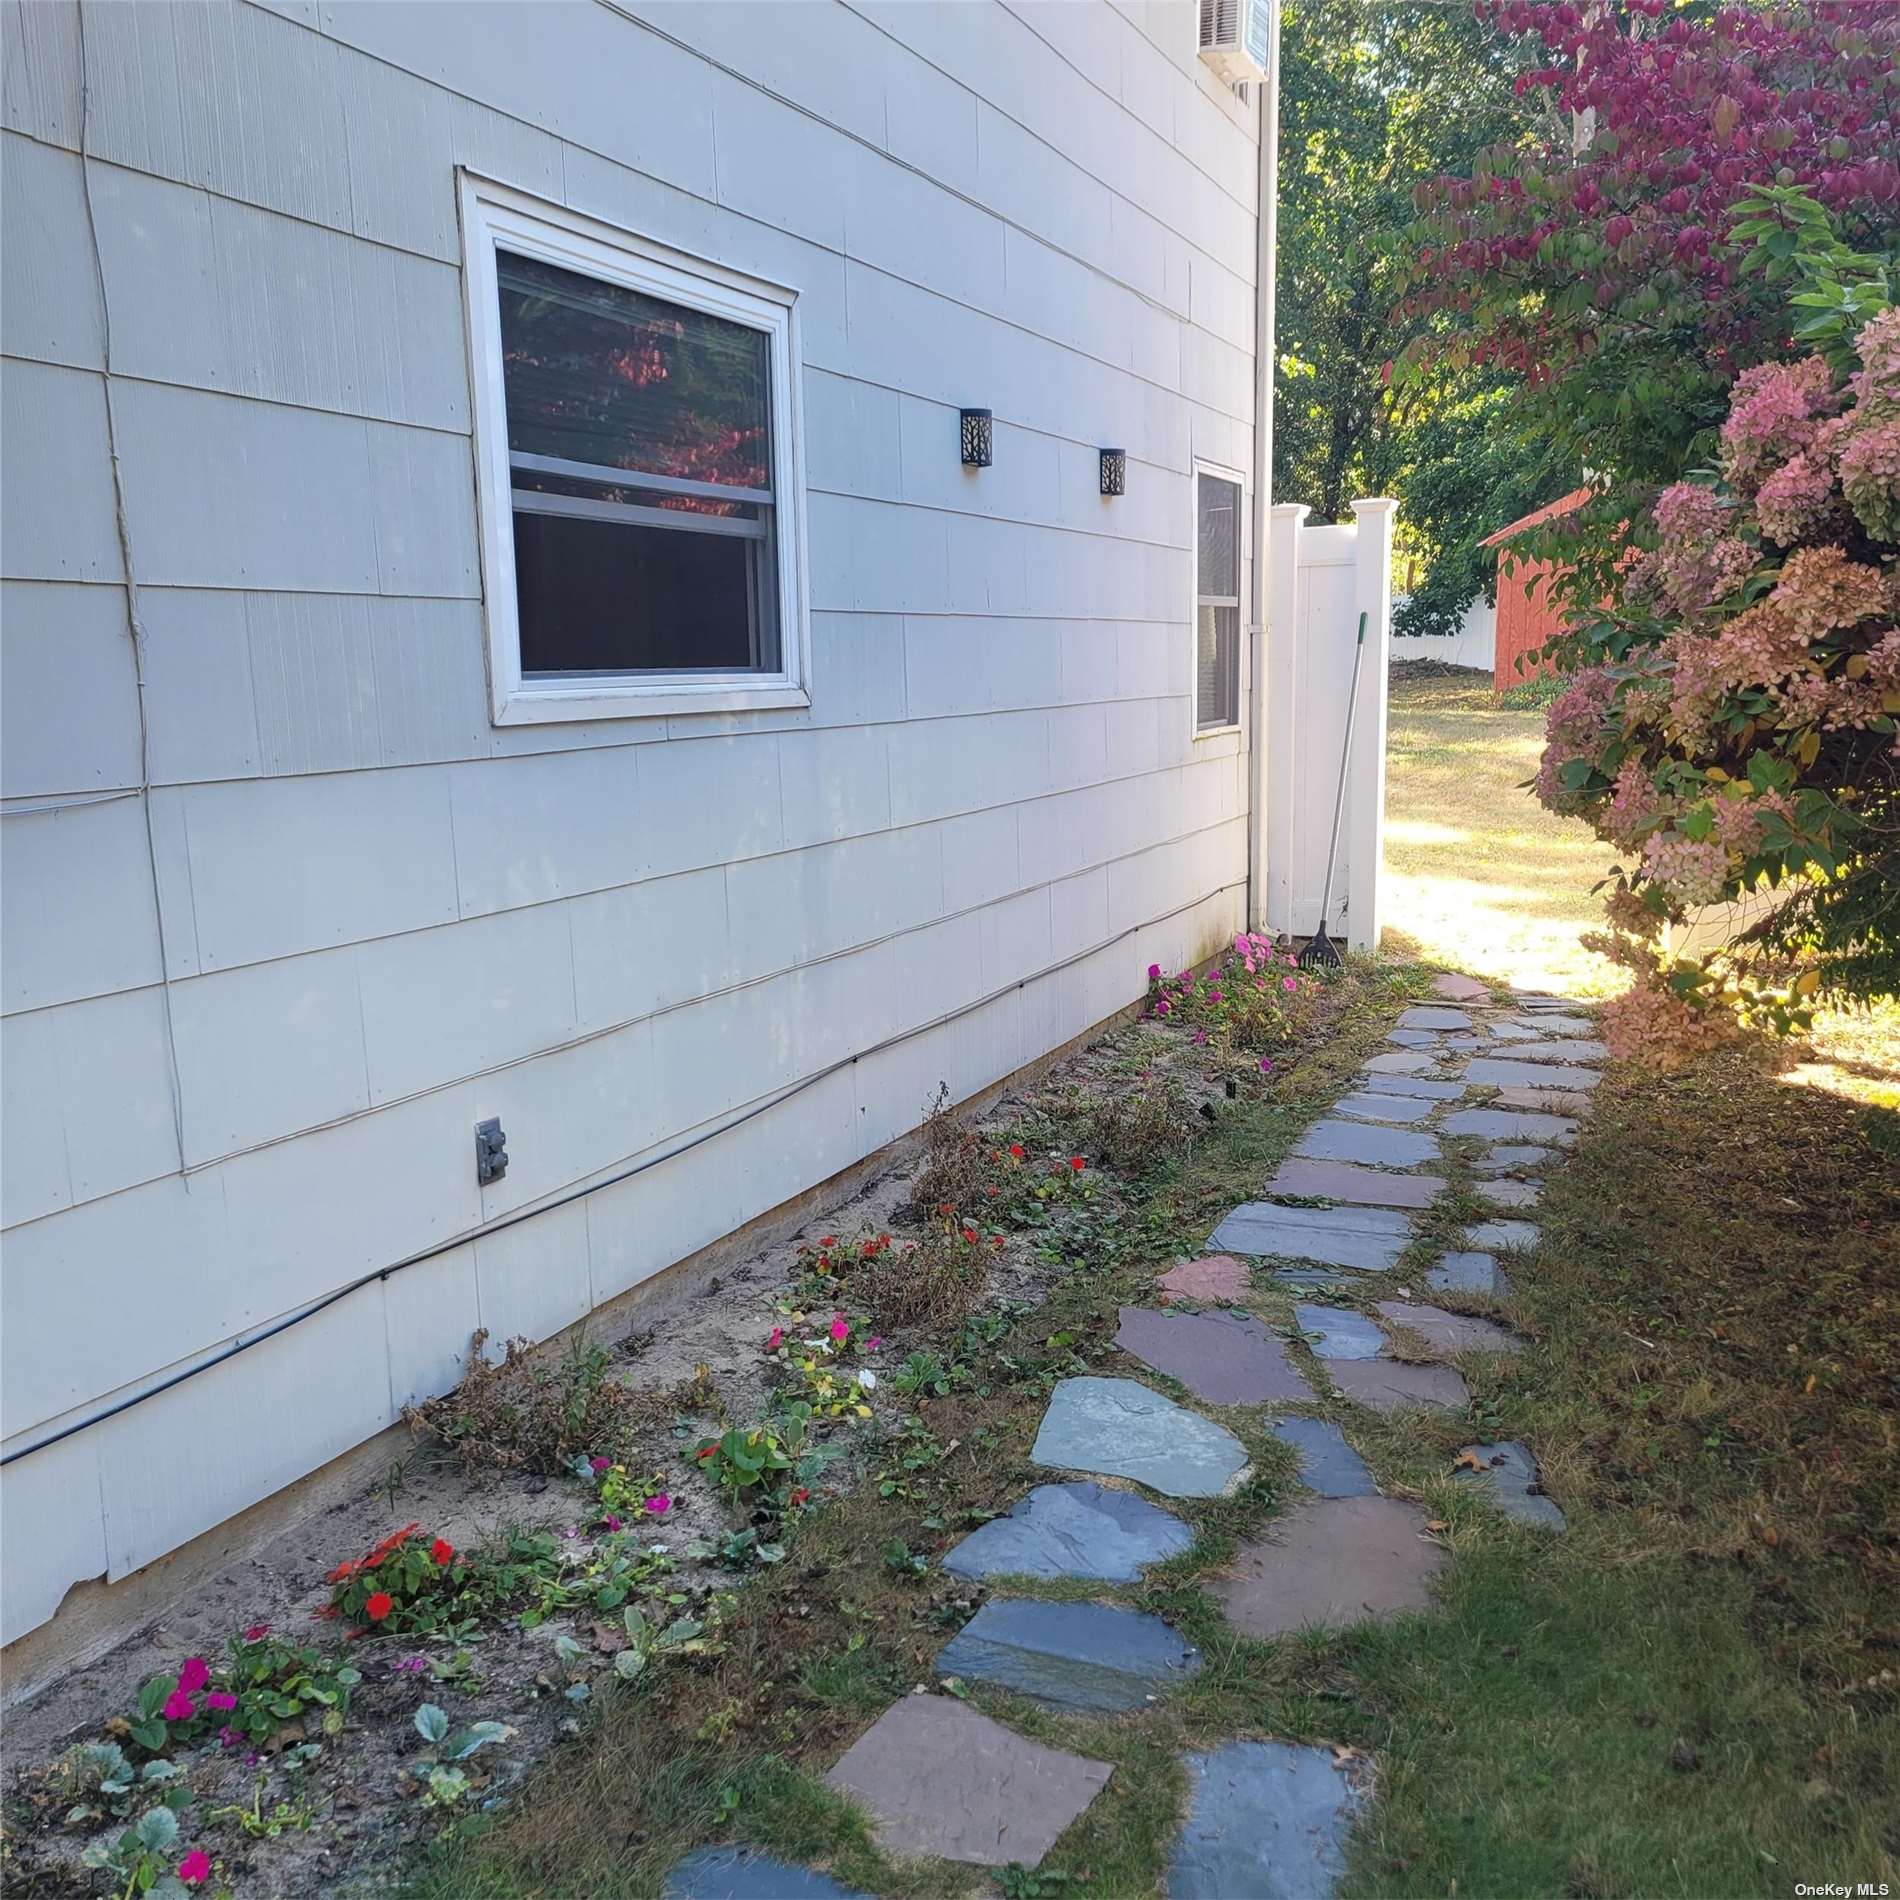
(1526, 615)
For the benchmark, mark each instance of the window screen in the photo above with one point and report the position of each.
(640, 459)
(1217, 603)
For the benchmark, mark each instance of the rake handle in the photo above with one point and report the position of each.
(1345, 759)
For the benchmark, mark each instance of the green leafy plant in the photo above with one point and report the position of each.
(277, 1683)
(901, 1560)
(769, 1466)
(101, 1783)
(739, 1550)
(1018, 1882)
(925, 1374)
(408, 1586)
(914, 1450)
(143, 1860)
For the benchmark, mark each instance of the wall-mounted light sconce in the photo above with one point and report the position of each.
(977, 435)
(1114, 471)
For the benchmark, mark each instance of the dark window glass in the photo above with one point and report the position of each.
(1217, 602)
(640, 446)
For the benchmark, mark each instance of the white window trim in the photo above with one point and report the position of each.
(534, 228)
(1221, 472)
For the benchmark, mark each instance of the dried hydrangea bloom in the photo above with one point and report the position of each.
(1773, 415)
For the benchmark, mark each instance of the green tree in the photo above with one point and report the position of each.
(1377, 96)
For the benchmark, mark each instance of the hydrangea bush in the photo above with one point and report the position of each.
(1731, 730)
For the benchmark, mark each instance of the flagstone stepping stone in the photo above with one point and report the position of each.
(1510, 1193)
(1508, 1160)
(1513, 1030)
(1118, 1428)
(1499, 1072)
(1507, 1124)
(1215, 1276)
(1545, 1101)
(1450, 1332)
(1381, 1147)
(1510, 1476)
(1469, 1273)
(1386, 1385)
(1413, 1038)
(1225, 1358)
(1519, 1235)
(1312, 1280)
(1266, 1820)
(1424, 1088)
(1072, 1530)
(1369, 1239)
(1399, 1062)
(1374, 1107)
(1562, 1049)
(1331, 1562)
(1328, 1464)
(1430, 1016)
(1556, 1022)
(938, 1778)
(1365, 1187)
(1336, 1332)
(1460, 989)
(742, 1873)
(1081, 1657)
(1466, 1045)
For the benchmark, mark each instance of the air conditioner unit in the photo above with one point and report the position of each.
(1237, 38)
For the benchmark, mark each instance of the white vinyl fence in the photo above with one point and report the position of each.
(1322, 579)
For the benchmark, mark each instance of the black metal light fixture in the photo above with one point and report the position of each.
(1114, 471)
(977, 434)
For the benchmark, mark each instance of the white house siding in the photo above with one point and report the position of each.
(266, 965)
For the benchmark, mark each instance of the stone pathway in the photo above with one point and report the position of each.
(1267, 1820)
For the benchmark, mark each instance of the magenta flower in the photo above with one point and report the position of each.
(195, 1869)
(1289, 983)
(656, 1506)
(179, 1707)
(597, 1465)
(195, 1674)
(1266, 1065)
(1154, 973)
(1161, 1008)
(840, 1328)
(409, 1665)
(1213, 996)
(1200, 1036)
(221, 1700)
(228, 1737)
(776, 1340)
(611, 1522)
(874, 1342)
(257, 1632)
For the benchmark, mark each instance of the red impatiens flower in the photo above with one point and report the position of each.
(705, 1452)
(1016, 1150)
(257, 1632)
(442, 1552)
(830, 1240)
(800, 1494)
(1077, 1163)
(969, 1236)
(379, 1606)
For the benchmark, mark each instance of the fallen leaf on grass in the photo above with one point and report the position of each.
(1468, 1461)
(1435, 1526)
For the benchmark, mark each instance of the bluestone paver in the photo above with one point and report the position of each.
(1328, 1464)
(1544, 1101)
(1117, 1428)
(1510, 1159)
(1369, 1105)
(1509, 1193)
(1502, 1072)
(1225, 1358)
(1454, 988)
(1450, 1332)
(1386, 1385)
(1367, 1238)
(743, 1873)
(1469, 1273)
(1400, 1062)
(1562, 1049)
(1085, 1658)
(1426, 1088)
(1508, 1124)
(1432, 1016)
(1556, 1021)
(1332, 1562)
(1413, 1038)
(1502, 1235)
(1378, 1147)
(1266, 1821)
(1215, 1276)
(1363, 1187)
(1510, 1477)
(1337, 1332)
(1072, 1530)
(937, 1777)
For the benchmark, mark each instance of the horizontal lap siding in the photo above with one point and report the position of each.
(253, 1014)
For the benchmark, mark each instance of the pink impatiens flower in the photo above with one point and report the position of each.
(874, 1342)
(194, 1675)
(1154, 973)
(1289, 983)
(598, 1465)
(657, 1505)
(840, 1328)
(179, 1707)
(612, 1523)
(195, 1869)
(1161, 1008)
(776, 1339)
(257, 1632)
(221, 1700)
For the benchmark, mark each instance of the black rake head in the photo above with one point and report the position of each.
(1321, 953)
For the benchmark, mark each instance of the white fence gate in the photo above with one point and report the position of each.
(1321, 580)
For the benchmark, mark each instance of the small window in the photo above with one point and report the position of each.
(635, 435)
(1216, 603)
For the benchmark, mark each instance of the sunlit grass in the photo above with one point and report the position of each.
(1479, 875)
